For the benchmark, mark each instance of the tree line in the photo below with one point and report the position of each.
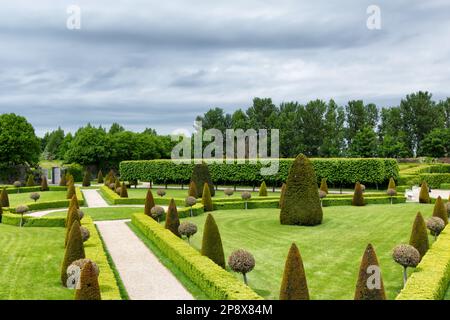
(418, 126)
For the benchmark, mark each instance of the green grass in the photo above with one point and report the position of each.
(31, 260)
(196, 292)
(16, 199)
(331, 252)
(98, 214)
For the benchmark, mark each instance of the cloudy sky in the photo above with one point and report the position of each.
(158, 64)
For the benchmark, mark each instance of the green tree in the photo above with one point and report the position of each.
(436, 144)
(212, 242)
(115, 128)
(364, 144)
(313, 128)
(334, 131)
(55, 139)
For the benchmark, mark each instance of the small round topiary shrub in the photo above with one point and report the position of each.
(161, 192)
(17, 184)
(391, 193)
(35, 196)
(406, 256)
(435, 225)
(112, 186)
(228, 192)
(246, 196)
(322, 195)
(22, 209)
(190, 201)
(187, 229)
(156, 212)
(85, 234)
(241, 261)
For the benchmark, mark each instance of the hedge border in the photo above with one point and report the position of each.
(12, 190)
(434, 180)
(50, 222)
(216, 282)
(431, 278)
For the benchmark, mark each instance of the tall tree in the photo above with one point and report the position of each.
(313, 128)
(364, 144)
(334, 131)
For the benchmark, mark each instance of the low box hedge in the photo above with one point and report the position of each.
(14, 220)
(216, 282)
(445, 186)
(434, 180)
(12, 190)
(431, 278)
(113, 198)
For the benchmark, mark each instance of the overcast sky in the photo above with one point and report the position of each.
(158, 64)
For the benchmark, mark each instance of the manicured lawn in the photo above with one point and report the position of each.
(113, 213)
(31, 260)
(16, 199)
(331, 252)
(178, 193)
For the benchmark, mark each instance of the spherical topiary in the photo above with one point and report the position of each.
(156, 212)
(228, 192)
(391, 192)
(322, 194)
(17, 184)
(190, 201)
(435, 225)
(161, 192)
(187, 229)
(406, 256)
(85, 234)
(112, 186)
(35, 196)
(21, 210)
(246, 196)
(241, 261)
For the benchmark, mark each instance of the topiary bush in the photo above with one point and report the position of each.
(440, 211)
(4, 199)
(200, 176)
(116, 185)
(282, 193)
(294, 285)
(358, 197)
(406, 256)
(22, 209)
(100, 177)
(74, 272)
(190, 201)
(149, 202)
(63, 181)
(161, 192)
(370, 284)
(172, 219)
(86, 179)
(123, 191)
(85, 234)
(263, 189)
(35, 196)
(419, 235)
(391, 184)
(88, 288)
(17, 184)
(241, 261)
(70, 191)
(322, 195)
(206, 198)
(187, 229)
(228, 192)
(192, 189)
(156, 212)
(424, 196)
(74, 250)
(212, 242)
(246, 196)
(30, 181)
(435, 225)
(324, 185)
(44, 184)
(391, 193)
(301, 204)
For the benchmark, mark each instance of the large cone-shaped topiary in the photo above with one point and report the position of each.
(301, 203)
(72, 206)
(293, 285)
(212, 242)
(206, 198)
(200, 175)
(282, 193)
(70, 191)
(440, 211)
(72, 217)
(44, 184)
(370, 284)
(4, 198)
(149, 202)
(358, 197)
(419, 235)
(324, 185)
(263, 190)
(172, 219)
(74, 250)
(192, 189)
(89, 288)
(424, 196)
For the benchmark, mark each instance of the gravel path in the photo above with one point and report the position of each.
(93, 199)
(144, 277)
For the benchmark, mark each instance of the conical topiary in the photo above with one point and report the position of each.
(192, 189)
(391, 184)
(419, 235)
(149, 202)
(89, 288)
(30, 181)
(172, 219)
(324, 185)
(70, 191)
(370, 283)
(63, 181)
(1, 213)
(4, 198)
(44, 184)
(282, 193)
(86, 179)
(212, 242)
(73, 205)
(263, 189)
(123, 191)
(100, 177)
(200, 175)
(358, 197)
(294, 285)
(72, 217)
(117, 185)
(74, 250)
(206, 198)
(424, 196)
(301, 203)
(70, 180)
(440, 211)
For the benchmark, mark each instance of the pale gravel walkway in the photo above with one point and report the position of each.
(143, 276)
(93, 199)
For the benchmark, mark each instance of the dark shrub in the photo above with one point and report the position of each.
(324, 185)
(70, 191)
(367, 269)
(86, 179)
(200, 176)
(406, 256)
(30, 181)
(358, 197)
(89, 288)
(149, 202)
(100, 177)
(123, 191)
(391, 184)
(4, 199)
(293, 285)
(74, 250)
(241, 261)
(206, 198)
(172, 219)
(212, 242)
(63, 181)
(419, 235)
(187, 229)
(192, 189)
(44, 184)
(440, 211)
(263, 189)
(282, 193)
(161, 192)
(424, 196)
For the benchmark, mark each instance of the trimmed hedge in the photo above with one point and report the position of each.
(445, 186)
(94, 250)
(431, 278)
(216, 282)
(342, 171)
(13, 190)
(14, 220)
(434, 180)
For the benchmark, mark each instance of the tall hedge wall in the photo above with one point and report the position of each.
(343, 171)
